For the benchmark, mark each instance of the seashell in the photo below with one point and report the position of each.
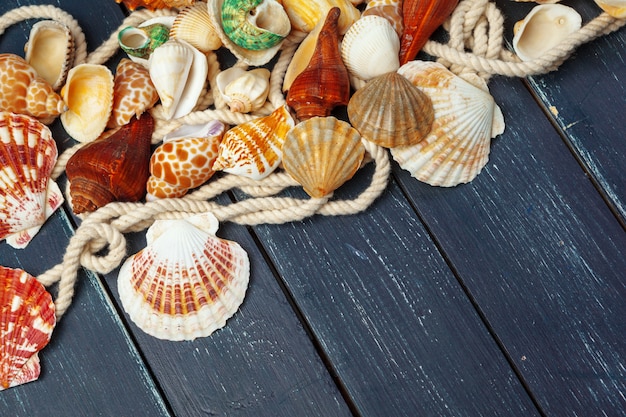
(254, 149)
(23, 91)
(466, 118)
(615, 8)
(322, 153)
(141, 41)
(421, 18)
(370, 48)
(389, 9)
(88, 93)
(184, 160)
(50, 51)
(543, 28)
(133, 92)
(155, 4)
(539, 1)
(186, 282)
(28, 196)
(244, 91)
(390, 111)
(194, 25)
(255, 24)
(179, 72)
(27, 321)
(112, 168)
(302, 56)
(324, 84)
(305, 15)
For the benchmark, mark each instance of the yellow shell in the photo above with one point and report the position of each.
(254, 149)
(302, 56)
(322, 153)
(305, 15)
(88, 93)
(615, 8)
(194, 25)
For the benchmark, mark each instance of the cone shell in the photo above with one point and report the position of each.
(389, 9)
(194, 25)
(324, 84)
(26, 324)
(112, 168)
(28, 196)
(187, 282)
(183, 163)
(133, 92)
(305, 15)
(466, 118)
(615, 8)
(155, 4)
(322, 153)
(390, 111)
(370, 48)
(254, 149)
(421, 18)
(88, 93)
(255, 24)
(244, 91)
(22, 91)
(544, 28)
(50, 51)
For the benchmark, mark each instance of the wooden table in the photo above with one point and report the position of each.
(505, 296)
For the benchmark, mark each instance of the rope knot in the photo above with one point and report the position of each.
(103, 247)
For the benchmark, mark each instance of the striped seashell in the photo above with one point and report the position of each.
(254, 149)
(27, 319)
(186, 282)
(194, 25)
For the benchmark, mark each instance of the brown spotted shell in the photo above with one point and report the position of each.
(155, 4)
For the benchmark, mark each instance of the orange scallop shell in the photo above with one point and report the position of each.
(27, 318)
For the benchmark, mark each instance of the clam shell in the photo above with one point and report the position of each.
(543, 28)
(615, 8)
(155, 4)
(179, 72)
(322, 153)
(22, 91)
(28, 196)
(50, 51)
(244, 91)
(255, 24)
(254, 149)
(88, 93)
(305, 15)
(187, 282)
(370, 48)
(27, 321)
(133, 92)
(390, 111)
(184, 162)
(112, 168)
(194, 25)
(466, 118)
(389, 9)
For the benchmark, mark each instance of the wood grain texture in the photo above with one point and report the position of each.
(543, 258)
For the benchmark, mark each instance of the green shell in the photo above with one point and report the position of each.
(140, 42)
(238, 28)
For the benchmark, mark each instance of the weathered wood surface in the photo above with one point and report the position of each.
(504, 296)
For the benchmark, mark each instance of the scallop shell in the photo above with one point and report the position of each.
(23, 91)
(244, 91)
(543, 28)
(184, 162)
(179, 72)
(50, 51)
(421, 18)
(155, 4)
(112, 168)
(615, 8)
(389, 9)
(254, 149)
(305, 15)
(194, 25)
(133, 92)
(370, 48)
(88, 93)
(28, 196)
(390, 111)
(466, 118)
(249, 56)
(322, 153)
(140, 42)
(28, 319)
(324, 84)
(187, 282)
(255, 24)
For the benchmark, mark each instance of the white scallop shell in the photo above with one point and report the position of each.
(371, 47)
(544, 28)
(466, 118)
(187, 282)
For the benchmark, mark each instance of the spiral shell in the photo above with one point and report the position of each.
(244, 91)
(389, 9)
(140, 42)
(255, 24)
